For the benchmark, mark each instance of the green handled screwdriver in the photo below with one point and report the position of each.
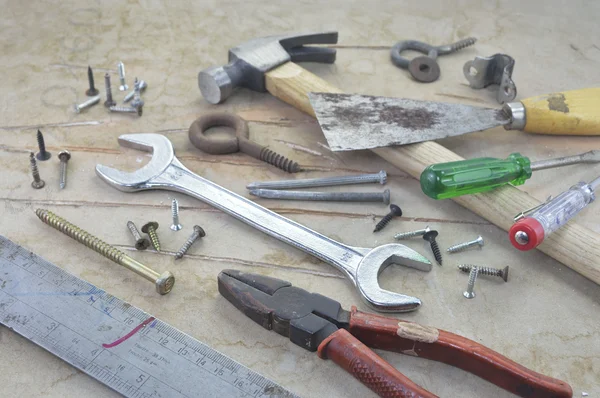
(448, 180)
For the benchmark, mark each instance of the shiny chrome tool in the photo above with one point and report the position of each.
(361, 265)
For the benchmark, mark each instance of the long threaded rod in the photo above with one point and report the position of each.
(102, 247)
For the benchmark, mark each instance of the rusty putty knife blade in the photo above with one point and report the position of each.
(352, 121)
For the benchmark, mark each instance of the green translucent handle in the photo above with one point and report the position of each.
(448, 180)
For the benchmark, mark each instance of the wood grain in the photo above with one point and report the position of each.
(570, 112)
(573, 245)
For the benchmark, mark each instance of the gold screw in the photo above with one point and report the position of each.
(150, 229)
(164, 282)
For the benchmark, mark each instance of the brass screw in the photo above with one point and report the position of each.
(164, 282)
(198, 233)
(150, 229)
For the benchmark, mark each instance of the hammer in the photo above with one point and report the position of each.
(267, 64)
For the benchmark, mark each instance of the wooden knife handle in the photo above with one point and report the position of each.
(430, 343)
(369, 368)
(574, 112)
(573, 245)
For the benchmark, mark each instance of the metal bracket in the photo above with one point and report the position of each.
(497, 69)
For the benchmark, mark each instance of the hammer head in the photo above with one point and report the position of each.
(162, 157)
(249, 62)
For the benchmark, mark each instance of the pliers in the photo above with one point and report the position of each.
(318, 323)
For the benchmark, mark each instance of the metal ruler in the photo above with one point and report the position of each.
(114, 342)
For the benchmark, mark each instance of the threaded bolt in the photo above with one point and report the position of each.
(279, 161)
(87, 104)
(324, 196)
(64, 157)
(469, 293)
(164, 282)
(43, 154)
(395, 211)
(37, 182)
(176, 226)
(502, 273)
(121, 68)
(459, 45)
(464, 246)
(130, 95)
(198, 233)
(141, 243)
(412, 234)
(430, 237)
(150, 229)
(92, 91)
(107, 86)
(124, 109)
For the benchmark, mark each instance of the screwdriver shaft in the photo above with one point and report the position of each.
(587, 157)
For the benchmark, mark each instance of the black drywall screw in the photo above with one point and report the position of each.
(395, 211)
(430, 237)
(42, 154)
(92, 91)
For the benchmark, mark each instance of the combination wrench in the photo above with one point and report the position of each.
(361, 265)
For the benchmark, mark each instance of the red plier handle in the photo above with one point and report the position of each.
(349, 350)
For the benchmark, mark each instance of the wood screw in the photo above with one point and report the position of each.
(430, 237)
(395, 211)
(198, 233)
(150, 229)
(164, 282)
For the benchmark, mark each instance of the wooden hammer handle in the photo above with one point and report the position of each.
(573, 245)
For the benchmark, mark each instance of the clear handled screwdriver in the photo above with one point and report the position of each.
(534, 225)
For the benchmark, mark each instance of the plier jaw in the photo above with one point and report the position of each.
(306, 318)
(318, 323)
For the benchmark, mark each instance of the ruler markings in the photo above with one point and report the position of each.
(59, 311)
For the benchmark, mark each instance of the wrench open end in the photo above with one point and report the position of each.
(361, 265)
(374, 262)
(162, 156)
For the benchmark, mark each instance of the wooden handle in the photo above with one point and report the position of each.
(438, 345)
(573, 245)
(574, 112)
(369, 368)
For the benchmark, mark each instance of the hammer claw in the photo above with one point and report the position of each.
(290, 41)
(312, 54)
(249, 62)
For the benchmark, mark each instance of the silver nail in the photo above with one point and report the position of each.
(324, 196)
(380, 177)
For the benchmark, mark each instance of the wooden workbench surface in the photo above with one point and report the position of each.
(546, 317)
